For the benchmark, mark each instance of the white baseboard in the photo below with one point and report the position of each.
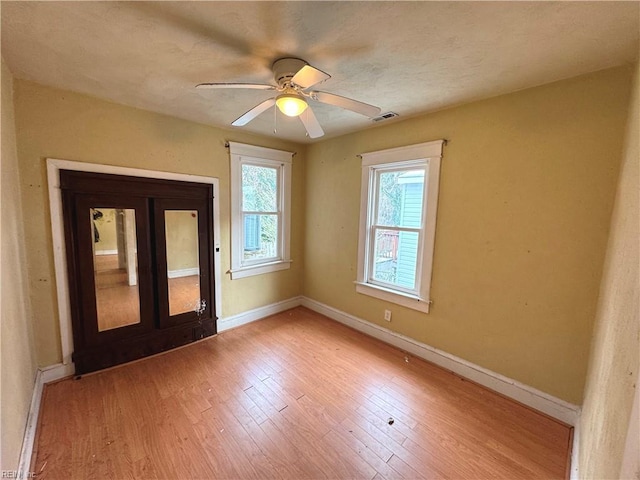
(106, 252)
(574, 472)
(43, 376)
(185, 272)
(57, 372)
(24, 464)
(257, 313)
(536, 399)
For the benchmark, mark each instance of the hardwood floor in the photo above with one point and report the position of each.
(293, 396)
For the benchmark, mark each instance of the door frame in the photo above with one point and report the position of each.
(59, 241)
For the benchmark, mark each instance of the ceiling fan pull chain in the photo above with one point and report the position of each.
(275, 120)
(306, 114)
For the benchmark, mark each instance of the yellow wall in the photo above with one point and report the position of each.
(18, 358)
(615, 357)
(527, 189)
(182, 240)
(70, 126)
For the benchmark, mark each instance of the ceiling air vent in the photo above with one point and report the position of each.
(385, 116)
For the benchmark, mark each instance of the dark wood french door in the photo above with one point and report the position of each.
(140, 264)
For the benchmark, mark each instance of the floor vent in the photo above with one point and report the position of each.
(385, 116)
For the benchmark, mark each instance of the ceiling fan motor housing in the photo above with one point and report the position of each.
(295, 77)
(284, 69)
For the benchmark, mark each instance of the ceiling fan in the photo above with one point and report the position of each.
(294, 78)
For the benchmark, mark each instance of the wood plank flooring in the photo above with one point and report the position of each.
(293, 396)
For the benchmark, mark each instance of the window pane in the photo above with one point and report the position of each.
(395, 258)
(259, 189)
(400, 196)
(260, 237)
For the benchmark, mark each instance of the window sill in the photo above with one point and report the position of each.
(249, 271)
(406, 300)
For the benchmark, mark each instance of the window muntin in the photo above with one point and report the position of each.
(397, 223)
(260, 209)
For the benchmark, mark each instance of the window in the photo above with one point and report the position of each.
(397, 223)
(260, 209)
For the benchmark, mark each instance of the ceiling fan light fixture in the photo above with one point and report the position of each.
(291, 104)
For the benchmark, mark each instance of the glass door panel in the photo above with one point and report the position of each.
(183, 261)
(115, 267)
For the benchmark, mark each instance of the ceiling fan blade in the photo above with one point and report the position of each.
(254, 112)
(255, 86)
(309, 76)
(347, 103)
(311, 124)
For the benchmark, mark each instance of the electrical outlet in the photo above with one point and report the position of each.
(387, 315)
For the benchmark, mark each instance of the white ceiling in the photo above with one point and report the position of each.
(406, 57)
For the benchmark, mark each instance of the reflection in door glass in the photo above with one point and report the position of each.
(183, 263)
(115, 266)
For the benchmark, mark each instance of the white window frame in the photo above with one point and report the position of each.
(424, 155)
(263, 157)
